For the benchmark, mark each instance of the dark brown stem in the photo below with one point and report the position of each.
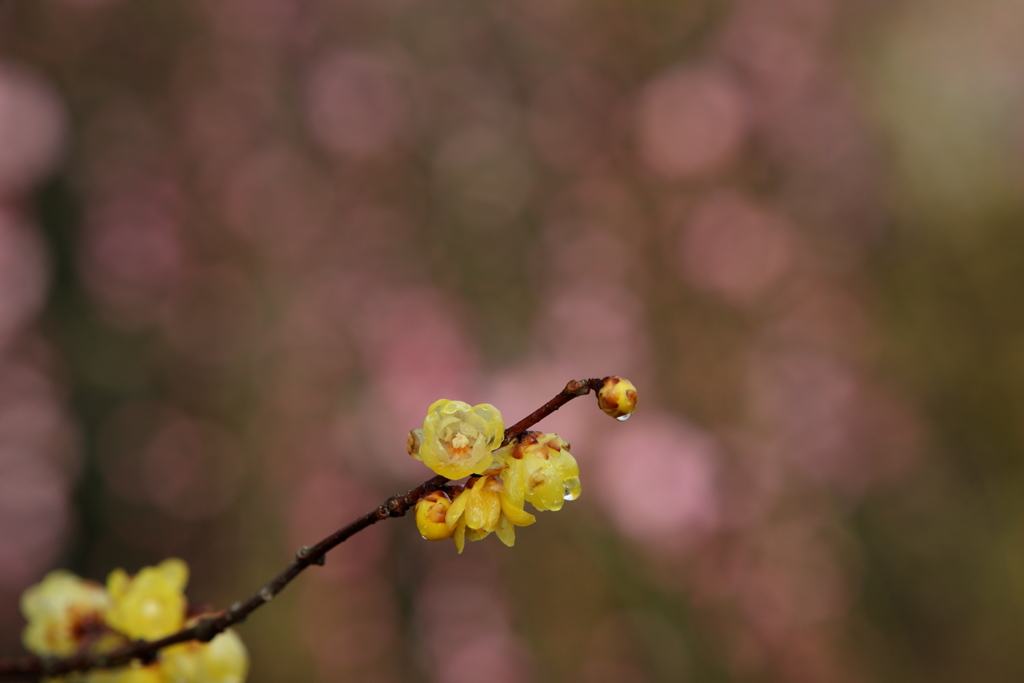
(575, 387)
(34, 667)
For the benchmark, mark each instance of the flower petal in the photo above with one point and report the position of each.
(460, 534)
(506, 531)
(454, 513)
(517, 515)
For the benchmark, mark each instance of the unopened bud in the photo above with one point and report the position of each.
(413, 443)
(430, 513)
(617, 397)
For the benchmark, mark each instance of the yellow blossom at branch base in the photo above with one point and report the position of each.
(484, 508)
(542, 471)
(133, 673)
(223, 660)
(459, 440)
(63, 611)
(151, 604)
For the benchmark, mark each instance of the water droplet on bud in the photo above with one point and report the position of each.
(623, 418)
(572, 488)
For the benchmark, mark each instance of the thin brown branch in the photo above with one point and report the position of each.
(575, 387)
(35, 667)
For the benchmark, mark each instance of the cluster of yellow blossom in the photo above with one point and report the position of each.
(69, 615)
(458, 440)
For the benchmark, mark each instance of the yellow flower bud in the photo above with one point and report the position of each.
(617, 397)
(63, 611)
(133, 673)
(223, 660)
(484, 508)
(151, 604)
(542, 471)
(430, 513)
(459, 440)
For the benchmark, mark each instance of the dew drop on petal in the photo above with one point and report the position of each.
(623, 418)
(568, 495)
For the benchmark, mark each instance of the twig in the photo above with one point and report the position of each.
(575, 387)
(35, 667)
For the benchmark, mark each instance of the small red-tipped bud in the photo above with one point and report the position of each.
(430, 513)
(617, 397)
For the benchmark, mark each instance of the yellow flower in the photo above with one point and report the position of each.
(430, 514)
(64, 613)
(617, 397)
(223, 660)
(542, 471)
(484, 508)
(133, 673)
(151, 604)
(459, 440)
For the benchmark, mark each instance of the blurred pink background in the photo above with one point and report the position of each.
(245, 244)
